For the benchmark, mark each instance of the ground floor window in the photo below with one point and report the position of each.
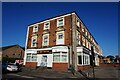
(60, 56)
(31, 57)
(79, 59)
(83, 59)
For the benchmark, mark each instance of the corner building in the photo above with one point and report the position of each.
(59, 42)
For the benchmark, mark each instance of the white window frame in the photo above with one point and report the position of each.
(86, 33)
(58, 22)
(31, 57)
(60, 54)
(34, 37)
(89, 36)
(83, 40)
(78, 23)
(86, 58)
(57, 39)
(35, 29)
(45, 25)
(83, 30)
(60, 35)
(78, 38)
(43, 44)
(87, 43)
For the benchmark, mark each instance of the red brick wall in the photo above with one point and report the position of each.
(83, 67)
(39, 38)
(68, 32)
(29, 37)
(31, 64)
(52, 35)
(60, 66)
(13, 52)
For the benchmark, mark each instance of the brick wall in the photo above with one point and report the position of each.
(83, 67)
(31, 64)
(60, 66)
(13, 52)
(52, 33)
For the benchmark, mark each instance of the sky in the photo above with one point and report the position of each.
(100, 18)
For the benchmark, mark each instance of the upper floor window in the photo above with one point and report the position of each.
(89, 36)
(86, 33)
(78, 38)
(34, 41)
(35, 28)
(46, 25)
(83, 30)
(46, 40)
(87, 44)
(60, 37)
(83, 40)
(78, 23)
(60, 22)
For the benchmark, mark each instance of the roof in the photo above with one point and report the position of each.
(6, 47)
(52, 17)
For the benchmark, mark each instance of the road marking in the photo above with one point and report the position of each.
(20, 75)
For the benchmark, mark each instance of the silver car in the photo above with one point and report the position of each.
(12, 67)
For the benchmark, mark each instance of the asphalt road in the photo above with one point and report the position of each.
(109, 73)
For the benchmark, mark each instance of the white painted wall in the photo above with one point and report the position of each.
(60, 49)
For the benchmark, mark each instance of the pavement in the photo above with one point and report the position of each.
(108, 73)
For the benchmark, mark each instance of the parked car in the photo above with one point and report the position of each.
(12, 67)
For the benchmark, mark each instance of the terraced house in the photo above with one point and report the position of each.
(60, 42)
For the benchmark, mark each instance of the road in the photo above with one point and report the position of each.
(110, 73)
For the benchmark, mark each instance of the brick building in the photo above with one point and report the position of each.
(59, 42)
(13, 51)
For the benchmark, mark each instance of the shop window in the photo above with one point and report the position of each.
(60, 56)
(83, 59)
(31, 57)
(80, 59)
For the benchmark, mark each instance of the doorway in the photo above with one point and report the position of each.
(44, 61)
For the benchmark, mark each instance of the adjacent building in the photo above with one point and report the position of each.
(13, 51)
(60, 42)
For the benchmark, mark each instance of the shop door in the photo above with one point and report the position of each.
(44, 61)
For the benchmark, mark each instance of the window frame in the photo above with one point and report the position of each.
(34, 37)
(60, 35)
(43, 40)
(34, 28)
(58, 22)
(60, 54)
(45, 25)
(31, 57)
(59, 40)
(85, 58)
